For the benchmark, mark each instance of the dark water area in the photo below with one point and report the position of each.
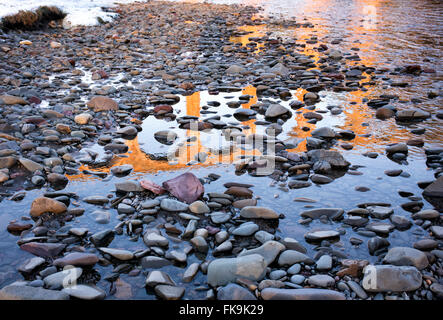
(385, 34)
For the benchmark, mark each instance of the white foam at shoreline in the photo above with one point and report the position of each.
(80, 12)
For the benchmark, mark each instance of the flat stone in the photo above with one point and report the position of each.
(405, 256)
(156, 277)
(100, 200)
(220, 217)
(359, 291)
(31, 264)
(85, 292)
(334, 158)
(129, 186)
(45, 250)
(173, 205)
(155, 239)
(191, 272)
(15, 292)
(258, 213)
(321, 280)
(321, 235)
(199, 207)
(154, 262)
(63, 278)
(332, 213)
(427, 214)
(225, 270)
(245, 229)
(167, 292)
(118, 253)
(384, 278)
(76, 259)
(290, 257)
(380, 212)
(269, 251)
(233, 291)
(437, 232)
(301, 294)
(435, 189)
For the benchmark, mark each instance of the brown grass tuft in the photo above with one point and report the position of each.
(29, 20)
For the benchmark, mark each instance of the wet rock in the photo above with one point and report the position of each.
(186, 187)
(63, 278)
(199, 244)
(100, 103)
(100, 200)
(31, 264)
(412, 115)
(122, 170)
(437, 232)
(324, 133)
(334, 158)
(321, 280)
(165, 136)
(16, 227)
(245, 229)
(240, 204)
(384, 113)
(380, 212)
(154, 238)
(269, 251)
(85, 292)
(397, 148)
(290, 257)
(357, 289)
(301, 294)
(258, 213)
(173, 205)
(16, 292)
(101, 216)
(405, 256)
(11, 100)
(292, 244)
(400, 222)
(239, 192)
(321, 235)
(191, 272)
(118, 254)
(76, 259)
(128, 186)
(102, 238)
(30, 165)
(435, 189)
(199, 207)
(154, 262)
(276, 110)
(83, 118)
(156, 277)
(234, 292)
(167, 292)
(425, 244)
(332, 213)
(377, 243)
(324, 263)
(225, 270)
(385, 278)
(153, 187)
(220, 217)
(45, 250)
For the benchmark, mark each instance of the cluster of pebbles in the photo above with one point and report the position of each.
(52, 110)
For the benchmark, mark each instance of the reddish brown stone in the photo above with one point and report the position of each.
(151, 186)
(185, 187)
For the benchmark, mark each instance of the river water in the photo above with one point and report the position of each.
(386, 34)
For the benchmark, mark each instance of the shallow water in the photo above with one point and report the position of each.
(405, 32)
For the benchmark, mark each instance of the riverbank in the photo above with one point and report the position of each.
(153, 143)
